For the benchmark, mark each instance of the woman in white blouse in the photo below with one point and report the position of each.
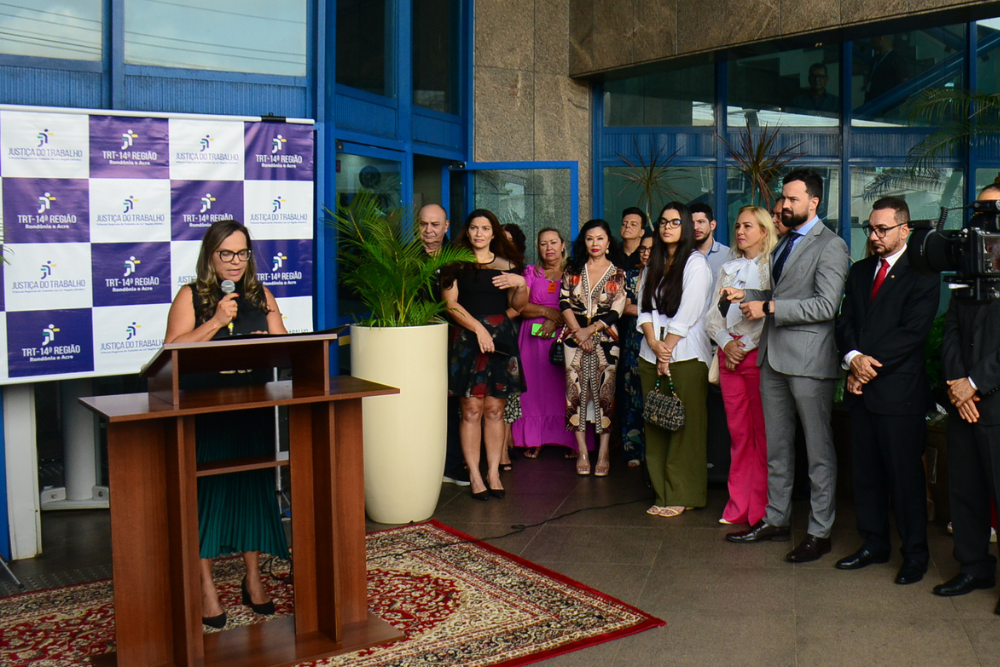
(674, 293)
(739, 375)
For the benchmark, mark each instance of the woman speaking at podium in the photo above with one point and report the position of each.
(237, 512)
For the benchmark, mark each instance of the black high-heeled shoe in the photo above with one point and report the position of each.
(217, 622)
(265, 609)
(498, 493)
(482, 495)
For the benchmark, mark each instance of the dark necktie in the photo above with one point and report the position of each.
(783, 257)
(883, 270)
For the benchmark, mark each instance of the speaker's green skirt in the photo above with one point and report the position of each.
(238, 511)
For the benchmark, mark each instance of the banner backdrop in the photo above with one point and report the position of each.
(102, 216)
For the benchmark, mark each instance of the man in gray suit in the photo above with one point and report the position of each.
(798, 359)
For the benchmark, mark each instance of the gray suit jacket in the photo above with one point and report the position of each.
(798, 338)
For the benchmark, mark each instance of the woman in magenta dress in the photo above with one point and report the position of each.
(543, 405)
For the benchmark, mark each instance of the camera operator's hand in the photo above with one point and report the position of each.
(863, 366)
(960, 391)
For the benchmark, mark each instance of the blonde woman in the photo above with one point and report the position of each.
(739, 375)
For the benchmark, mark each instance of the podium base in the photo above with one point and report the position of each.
(275, 644)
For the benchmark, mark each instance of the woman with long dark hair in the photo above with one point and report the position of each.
(237, 512)
(675, 292)
(592, 297)
(484, 364)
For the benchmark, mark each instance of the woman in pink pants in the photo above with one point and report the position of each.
(739, 376)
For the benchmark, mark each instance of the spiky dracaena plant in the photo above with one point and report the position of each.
(961, 117)
(383, 262)
(760, 161)
(652, 177)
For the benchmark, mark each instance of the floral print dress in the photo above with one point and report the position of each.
(590, 378)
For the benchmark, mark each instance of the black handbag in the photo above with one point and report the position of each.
(557, 355)
(662, 409)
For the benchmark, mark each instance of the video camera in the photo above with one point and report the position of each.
(972, 253)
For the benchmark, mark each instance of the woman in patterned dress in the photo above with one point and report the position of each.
(592, 298)
(484, 365)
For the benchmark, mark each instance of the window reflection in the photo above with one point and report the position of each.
(889, 70)
(678, 96)
(924, 194)
(364, 39)
(51, 28)
(738, 192)
(435, 54)
(686, 184)
(230, 35)
(797, 87)
(530, 198)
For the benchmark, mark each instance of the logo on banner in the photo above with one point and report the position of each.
(271, 155)
(130, 265)
(129, 340)
(131, 214)
(49, 334)
(43, 138)
(128, 137)
(278, 201)
(206, 202)
(47, 269)
(45, 202)
(279, 213)
(278, 260)
(44, 150)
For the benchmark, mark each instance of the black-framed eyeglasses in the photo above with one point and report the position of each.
(880, 232)
(670, 224)
(228, 255)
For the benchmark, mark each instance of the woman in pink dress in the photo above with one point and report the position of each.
(543, 404)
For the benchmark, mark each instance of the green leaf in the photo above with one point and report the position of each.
(382, 262)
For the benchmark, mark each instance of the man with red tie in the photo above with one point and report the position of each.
(886, 315)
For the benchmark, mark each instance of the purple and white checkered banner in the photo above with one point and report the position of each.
(103, 214)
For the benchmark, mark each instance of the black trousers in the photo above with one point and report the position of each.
(973, 479)
(886, 452)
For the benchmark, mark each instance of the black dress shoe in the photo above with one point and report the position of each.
(859, 559)
(809, 549)
(498, 493)
(963, 583)
(761, 532)
(217, 622)
(266, 609)
(910, 573)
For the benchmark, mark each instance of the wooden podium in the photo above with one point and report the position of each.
(154, 508)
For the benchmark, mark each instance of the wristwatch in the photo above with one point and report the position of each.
(767, 307)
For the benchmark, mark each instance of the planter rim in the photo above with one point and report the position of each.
(415, 326)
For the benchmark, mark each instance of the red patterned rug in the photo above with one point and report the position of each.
(459, 602)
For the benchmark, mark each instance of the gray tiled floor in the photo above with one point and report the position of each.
(724, 604)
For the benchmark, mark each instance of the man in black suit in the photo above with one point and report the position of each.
(887, 313)
(970, 354)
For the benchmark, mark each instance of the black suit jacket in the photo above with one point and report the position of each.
(893, 329)
(971, 348)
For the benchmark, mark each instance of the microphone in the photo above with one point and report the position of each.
(228, 287)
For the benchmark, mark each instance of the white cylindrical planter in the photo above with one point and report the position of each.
(405, 434)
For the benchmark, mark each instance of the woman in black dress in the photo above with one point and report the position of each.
(237, 512)
(484, 365)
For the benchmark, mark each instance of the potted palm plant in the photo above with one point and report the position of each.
(402, 342)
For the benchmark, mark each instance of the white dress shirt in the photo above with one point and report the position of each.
(689, 320)
(846, 364)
